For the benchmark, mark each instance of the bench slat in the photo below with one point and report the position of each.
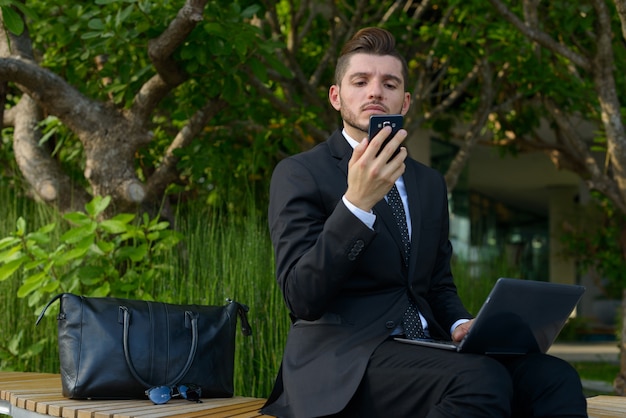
(604, 406)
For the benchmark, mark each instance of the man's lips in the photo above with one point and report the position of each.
(375, 108)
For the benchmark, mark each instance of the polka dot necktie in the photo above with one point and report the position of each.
(411, 320)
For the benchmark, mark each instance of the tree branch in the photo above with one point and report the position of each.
(160, 50)
(541, 37)
(604, 80)
(473, 134)
(40, 170)
(596, 179)
(167, 172)
(52, 93)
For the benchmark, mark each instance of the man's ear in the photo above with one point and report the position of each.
(406, 104)
(333, 97)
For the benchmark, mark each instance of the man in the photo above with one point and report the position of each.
(347, 282)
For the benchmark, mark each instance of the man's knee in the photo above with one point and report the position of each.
(547, 386)
(481, 387)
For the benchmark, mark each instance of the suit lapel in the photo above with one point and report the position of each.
(341, 150)
(410, 182)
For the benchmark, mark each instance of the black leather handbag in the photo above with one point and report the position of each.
(113, 348)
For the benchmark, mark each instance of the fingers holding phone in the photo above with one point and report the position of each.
(378, 122)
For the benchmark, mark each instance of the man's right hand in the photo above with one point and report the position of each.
(370, 177)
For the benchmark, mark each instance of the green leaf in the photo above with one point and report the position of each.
(258, 68)
(250, 11)
(36, 278)
(135, 254)
(14, 342)
(101, 291)
(123, 217)
(152, 236)
(11, 254)
(122, 15)
(90, 35)
(70, 255)
(105, 247)
(278, 66)
(7, 242)
(31, 285)
(51, 286)
(96, 24)
(114, 227)
(46, 229)
(77, 218)
(12, 20)
(21, 226)
(11, 267)
(75, 235)
(38, 237)
(97, 205)
(90, 275)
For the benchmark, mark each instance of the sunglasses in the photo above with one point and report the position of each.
(162, 394)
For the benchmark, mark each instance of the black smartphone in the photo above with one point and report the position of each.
(378, 122)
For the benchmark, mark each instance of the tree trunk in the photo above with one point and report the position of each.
(620, 381)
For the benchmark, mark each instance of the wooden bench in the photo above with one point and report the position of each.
(38, 395)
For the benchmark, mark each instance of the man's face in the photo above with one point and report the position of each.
(372, 84)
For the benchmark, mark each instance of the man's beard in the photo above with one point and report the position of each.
(351, 120)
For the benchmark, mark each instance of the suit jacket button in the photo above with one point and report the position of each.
(390, 324)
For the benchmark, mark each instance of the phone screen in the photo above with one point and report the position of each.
(378, 122)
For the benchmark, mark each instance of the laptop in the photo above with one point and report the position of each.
(518, 317)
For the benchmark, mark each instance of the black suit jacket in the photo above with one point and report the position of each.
(346, 285)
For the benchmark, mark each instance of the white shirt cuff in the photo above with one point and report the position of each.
(368, 218)
(457, 323)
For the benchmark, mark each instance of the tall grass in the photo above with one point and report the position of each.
(221, 257)
(18, 332)
(227, 257)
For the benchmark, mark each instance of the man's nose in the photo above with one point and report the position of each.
(376, 90)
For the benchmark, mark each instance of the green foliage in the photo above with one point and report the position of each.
(595, 236)
(102, 49)
(95, 257)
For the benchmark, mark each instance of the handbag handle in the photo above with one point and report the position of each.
(193, 317)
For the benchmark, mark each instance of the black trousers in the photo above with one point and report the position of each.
(405, 381)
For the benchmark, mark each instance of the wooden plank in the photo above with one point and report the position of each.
(21, 382)
(104, 407)
(43, 404)
(251, 406)
(107, 408)
(176, 407)
(605, 406)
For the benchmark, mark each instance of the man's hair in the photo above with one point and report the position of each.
(375, 41)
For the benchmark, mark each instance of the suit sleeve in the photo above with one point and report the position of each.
(317, 240)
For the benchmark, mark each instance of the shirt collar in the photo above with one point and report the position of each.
(353, 143)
